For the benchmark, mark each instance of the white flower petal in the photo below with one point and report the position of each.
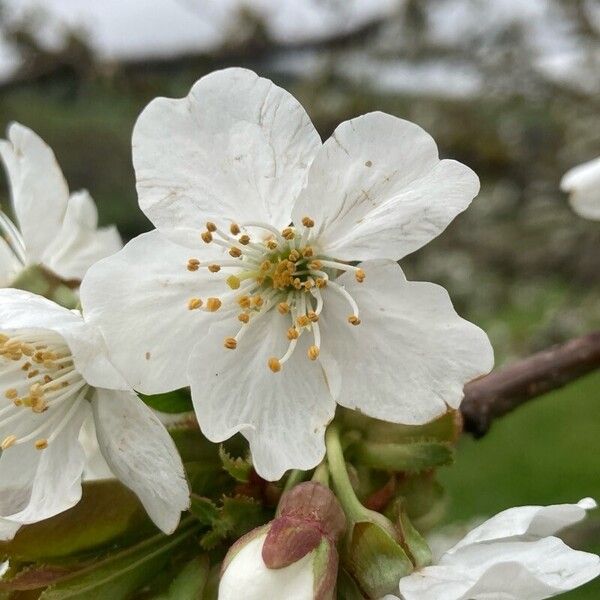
(526, 522)
(80, 243)
(9, 264)
(418, 353)
(583, 184)
(38, 484)
(237, 147)
(139, 299)
(248, 577)
(96, 466)
(142, 455)
(506, 571)
(377, 189)
(23, 310)
(38, 189)
(283, 415)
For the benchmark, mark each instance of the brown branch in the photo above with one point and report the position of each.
(502, 391)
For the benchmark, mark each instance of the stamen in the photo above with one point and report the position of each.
(293, 333)
(244, 239)
(308, 222)
(274, 364)
(214, 268)
(313, 352)
(235, 252)
(194, 303)
(233, 282)
(230, 343)
(244, 317)
(213, 304)
(340, 290)
(288, 233)
(283, 308)
(211, 227)
(353, 320)
(234, 228)
(207, 237)
(265, 226)
(193, 264)
(8, 441)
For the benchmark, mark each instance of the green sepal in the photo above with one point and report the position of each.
(175, 402)
(407, 457)
(107, 513)
(413, 542)
(239, 468)
(375, 559)
(204, 510)
(424, 500)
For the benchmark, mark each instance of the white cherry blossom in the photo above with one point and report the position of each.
(55, 230)
(512, 556)
(583, 186)
(249, 289)
(55, 373)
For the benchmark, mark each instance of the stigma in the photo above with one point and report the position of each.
(265, 268)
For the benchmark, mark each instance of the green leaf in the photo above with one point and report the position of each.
(107, 513)
(410, 457)
(238, 468)
(236, 516)
(178, 401)
(204, 510)
(191, 581)
(119, 575)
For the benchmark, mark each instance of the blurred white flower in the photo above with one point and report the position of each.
(271, 324)
(582, 183)
(512, 556)
(54, 373)
(55, 230)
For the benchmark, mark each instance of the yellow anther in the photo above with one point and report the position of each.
(33, 374)
(266, 265)
(233, 282)
(41, 444)
(353, 320)
(230, 343)
(36, 391)
(235, 252)
(26, 366)
(3, 338)
(244, 301)
(294, 256)
(39, 406)
(283, 308)
(271, 244)
(257, 301)
(292, 333)
(193, 264)
(244, 240)
(303, 321)
(309, 284)
(194, 303)
(11, 393)
(313, 352)
(321, 282)
(213, 304)
(315, 265)
(234, 228)
(214, 268)
(27, 350)
(360, 275)
(274, 364)
(8, 441)
(288, 233)
(206, 237)
(307, 252)
(211, 226)
(297, 283)
(244, 317)
(313, 316)
(308, 222)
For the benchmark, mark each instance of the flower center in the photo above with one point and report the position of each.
(284, 270)
(40, 389)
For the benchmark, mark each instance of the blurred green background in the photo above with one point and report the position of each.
(519, 262)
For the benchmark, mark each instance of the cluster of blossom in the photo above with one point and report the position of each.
(271, 288)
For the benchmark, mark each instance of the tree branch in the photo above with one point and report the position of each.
(502, 391)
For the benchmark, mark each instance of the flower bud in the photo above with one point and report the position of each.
(293, 556)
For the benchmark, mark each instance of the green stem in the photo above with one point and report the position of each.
(295, 477)
(321, 474)
(339, 475)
